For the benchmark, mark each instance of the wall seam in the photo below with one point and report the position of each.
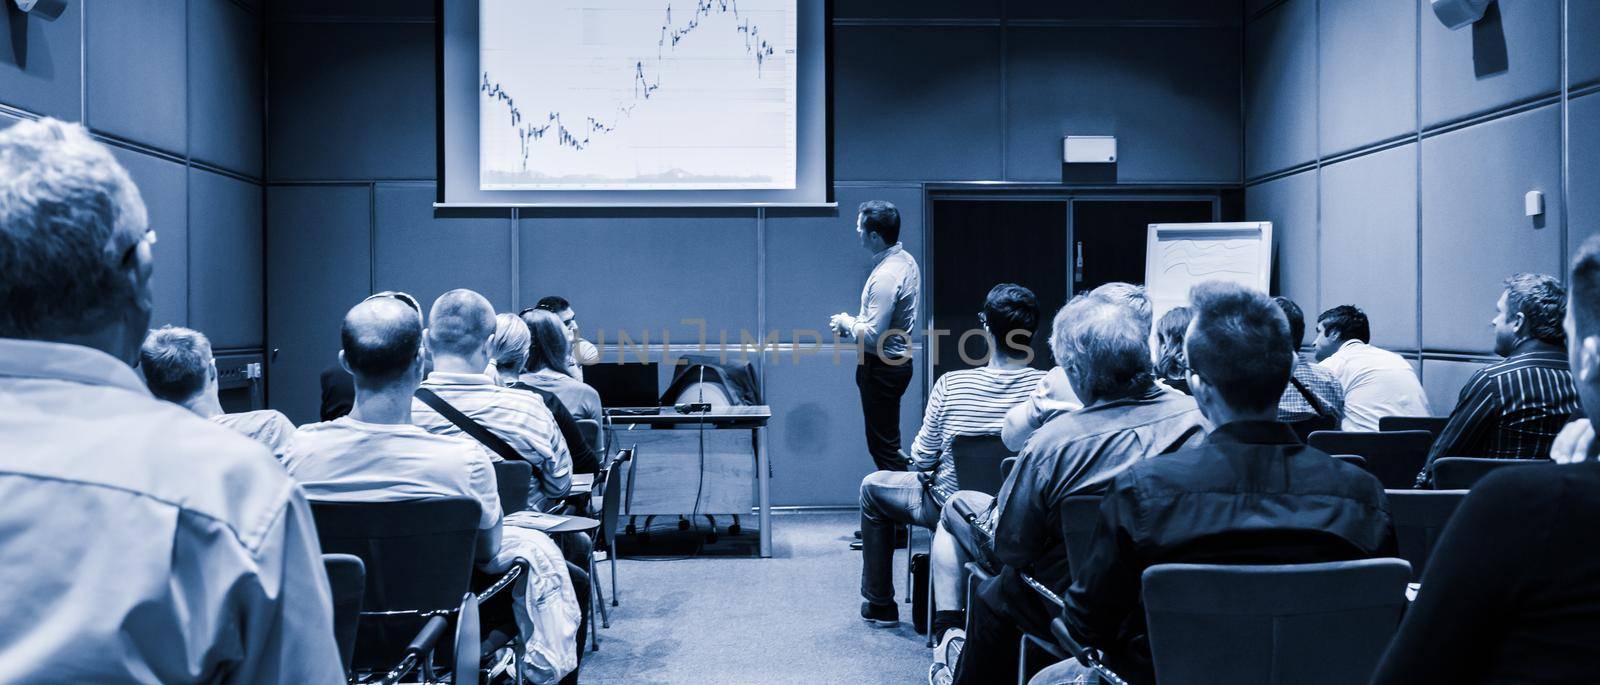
(761, 301)
(1416, 113)
(372, 237)
(516, 260)
(1316, 32)
(1566, 139)
(1005, 95)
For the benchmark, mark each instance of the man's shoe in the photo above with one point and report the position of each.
(855, 545)
(948, 651)
(940, 674)
(857, 534)
(885, 615)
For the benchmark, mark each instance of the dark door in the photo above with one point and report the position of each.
(977, 244)
(1108, 240)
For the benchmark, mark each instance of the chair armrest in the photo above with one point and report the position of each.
(1088, 657)
(518, 567)
(1044, 592)
(467, 656)
(423, 643)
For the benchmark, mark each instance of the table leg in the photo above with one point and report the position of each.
(763, 501)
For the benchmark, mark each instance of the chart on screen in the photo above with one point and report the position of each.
(637, 94)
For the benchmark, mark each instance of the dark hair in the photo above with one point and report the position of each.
(1348, 321)
(881, 218)
(1170, 330)
(1007, 309)
(175, 362)
(380, 341)
(553, 303)
(1297, 321)
(548, 341)
(1543, 304)
(1240, 344)
(1586, 287)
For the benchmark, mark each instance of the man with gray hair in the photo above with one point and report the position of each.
(178, 366)
(1103, 348)
(143, 543)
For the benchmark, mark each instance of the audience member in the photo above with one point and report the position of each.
(460, 324)
(1127, 417)
(1512, 589)
(1252, 493)
(1054, 395)
(1172, 369)
(1514, 409)
(964, 402)
(338, 391)
(508, 353)
(582, 352)
(1376, 382)
(375, 454)
(547, 368)
(1313, 391)
(178, 367)
(142, 543)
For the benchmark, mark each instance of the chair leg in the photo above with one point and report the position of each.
(908, 564)
(613, 559)
(930, 603)
(599, 595)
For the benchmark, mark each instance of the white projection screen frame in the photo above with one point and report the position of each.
(558, 154)
(1179, 256)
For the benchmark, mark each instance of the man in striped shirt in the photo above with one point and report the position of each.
(1514, 409)
(965, 402)
(460, 324)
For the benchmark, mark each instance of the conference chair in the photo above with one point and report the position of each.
(1394, 457)
(1461, 473)
(1078, 516)
(1353, 460)
(592, 435)
(347, 582)
(610, 509)
(419, 557)
(1419, 518)
(513, 479)
(978, 462)
(1305, 427)
(1299, 624)
(1432, 424)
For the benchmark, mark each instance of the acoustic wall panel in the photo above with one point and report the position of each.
(816, 265)
(360, 106)
(225, 95)
(1583, 51)
(1369, 242)
(1443, 380)
(1368, 90)
(1511, 55)
(226, 274)
(425, 254)
(1290, 203)
(1175, 120)
(136, 54)
(645, 271)
(163, 186)
(319, 258)
(353, 9)
(1583, 160)
(1280, 97)
(1474, 233)
(1228, 12)
(916, 103)
(915, 9)
(40, 62)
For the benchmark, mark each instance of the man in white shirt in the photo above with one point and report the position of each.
(460, 325)
(142, 543)
(582, 352)
(178, 366)
(375, 454)
(1376, 382)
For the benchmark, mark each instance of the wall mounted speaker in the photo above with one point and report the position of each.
(1455, 14)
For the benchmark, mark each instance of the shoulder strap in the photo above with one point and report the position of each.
(1316, 402)
(483, 435)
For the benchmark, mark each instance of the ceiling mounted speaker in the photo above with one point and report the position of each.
(1455, 14)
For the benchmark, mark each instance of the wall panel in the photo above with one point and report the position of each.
(1216, 11)
(1290, 203)
(1474, 232)
(1369, 241)
(426, 255)
(1584, 168)
(137, 65)
(163, 185)
(226, 274)
(1583, 56)
(1280, 76)
(1492, 63)
(916, 103)
(1368, 70)
(1108, 81)
(319, 257)
(41, 62)
(1443, 380)
(226, 108)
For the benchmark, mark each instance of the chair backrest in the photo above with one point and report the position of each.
(1419, 517)
(592, 436)
(611, 498)
(1395, 457)
(1432, 424)
(1300, 624)
(1461, 473)
(1352, 459)
(1304, 428)
(347, 580)
(418, 556)
(977, 460)
(1079, 514)
(513, 479)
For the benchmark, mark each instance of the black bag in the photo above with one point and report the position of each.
(919, 593)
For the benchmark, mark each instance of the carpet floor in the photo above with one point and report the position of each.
(794, 618)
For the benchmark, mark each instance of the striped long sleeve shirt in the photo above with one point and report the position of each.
(1512, 409)
(966, 402)
(518, 417)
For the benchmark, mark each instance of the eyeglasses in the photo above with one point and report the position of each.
(148, 238)
(983, 320)
(398, 295)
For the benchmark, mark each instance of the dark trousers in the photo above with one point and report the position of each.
(996, 617)
(881, 385)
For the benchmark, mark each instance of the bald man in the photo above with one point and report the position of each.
(462, 322)
(376, 454)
